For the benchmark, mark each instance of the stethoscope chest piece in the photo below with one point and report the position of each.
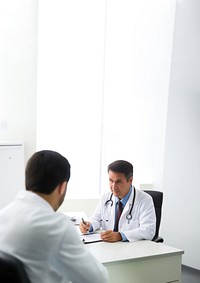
(129, 217)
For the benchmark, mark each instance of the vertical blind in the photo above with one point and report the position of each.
(103, 77)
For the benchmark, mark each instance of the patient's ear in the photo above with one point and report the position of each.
(62, 188)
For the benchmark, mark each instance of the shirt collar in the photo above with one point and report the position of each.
(34, 198)
(125, 198)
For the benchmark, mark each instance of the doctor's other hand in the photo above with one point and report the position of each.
(110, 236)
(84, 227)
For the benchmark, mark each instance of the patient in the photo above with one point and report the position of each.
(34, 231)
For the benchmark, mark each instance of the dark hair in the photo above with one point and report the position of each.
(122, 166)
(45, 170)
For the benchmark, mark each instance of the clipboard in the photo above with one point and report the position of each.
(91, 238)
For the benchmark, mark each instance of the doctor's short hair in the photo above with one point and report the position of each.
(46, 170)
(122, 166)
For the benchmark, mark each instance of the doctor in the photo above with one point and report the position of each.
(124, 213)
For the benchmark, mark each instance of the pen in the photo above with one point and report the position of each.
(84, 221)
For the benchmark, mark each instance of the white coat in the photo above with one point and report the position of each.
(47, 243)
(141, 226)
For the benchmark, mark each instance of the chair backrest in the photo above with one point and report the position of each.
(12, 270)
(157, 200)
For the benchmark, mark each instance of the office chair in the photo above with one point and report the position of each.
(12, 270)
(157, 200)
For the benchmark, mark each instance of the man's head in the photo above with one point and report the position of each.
(47, 170)
(120, 177)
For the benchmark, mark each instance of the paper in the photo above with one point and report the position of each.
(91, 238)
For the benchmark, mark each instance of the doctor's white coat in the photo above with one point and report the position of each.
(141, 226)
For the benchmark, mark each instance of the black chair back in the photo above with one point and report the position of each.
(12, 270)
(158, 201)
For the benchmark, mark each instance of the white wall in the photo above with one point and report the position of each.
(18, 42)
(181, 181)
(86, 205)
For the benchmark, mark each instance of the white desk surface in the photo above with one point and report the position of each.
(120, 251)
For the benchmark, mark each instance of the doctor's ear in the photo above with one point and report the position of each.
(130, 180)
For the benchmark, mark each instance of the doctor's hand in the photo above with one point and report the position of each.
(84, 227)
(110, 236)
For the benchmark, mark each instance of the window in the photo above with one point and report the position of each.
(103, 76)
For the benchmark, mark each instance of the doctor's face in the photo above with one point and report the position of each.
(119, 185)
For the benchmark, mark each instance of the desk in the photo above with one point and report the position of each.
(139, 262)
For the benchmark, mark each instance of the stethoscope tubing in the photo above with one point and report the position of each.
(129, 215)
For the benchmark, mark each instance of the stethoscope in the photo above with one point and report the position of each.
(129, 215)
